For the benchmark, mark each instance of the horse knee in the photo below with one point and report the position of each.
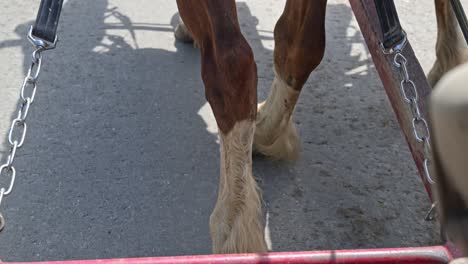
(294, 63)
(230, 76)
(299, 41)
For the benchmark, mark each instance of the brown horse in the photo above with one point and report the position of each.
(230, 77)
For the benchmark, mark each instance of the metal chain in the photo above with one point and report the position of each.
(419, 123)
(18, 128)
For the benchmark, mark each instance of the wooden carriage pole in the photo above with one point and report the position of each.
(366, 15)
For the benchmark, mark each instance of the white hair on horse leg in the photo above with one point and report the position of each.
(275, 135)
(236, 222)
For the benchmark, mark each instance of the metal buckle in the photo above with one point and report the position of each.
(397, 47)
(41, 43)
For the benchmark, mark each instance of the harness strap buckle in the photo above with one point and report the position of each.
(398, 47)
(41, 43)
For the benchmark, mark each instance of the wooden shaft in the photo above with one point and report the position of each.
(366, 15)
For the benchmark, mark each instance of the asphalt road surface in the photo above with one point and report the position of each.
(121, 157)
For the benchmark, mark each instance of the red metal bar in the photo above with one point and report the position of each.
(366, 15)
(417, 255)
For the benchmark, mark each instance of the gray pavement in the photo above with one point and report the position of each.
(121, 158)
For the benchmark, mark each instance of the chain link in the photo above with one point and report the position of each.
(2, 193)
(12, 172)
(18, 128)
(2, 220)
(12, 155)
(17, 123)
(420, 126)
(24, 109)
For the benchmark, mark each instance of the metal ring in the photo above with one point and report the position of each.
(36, 63)
(23, 135)
(399, 55)
(426, 171)
(37, 55)
(13, 176)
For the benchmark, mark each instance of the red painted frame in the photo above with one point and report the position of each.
(418, 255)
(366, 16)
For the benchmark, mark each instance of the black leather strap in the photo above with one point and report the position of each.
(47, 20)
(388, 17)
(461, 17)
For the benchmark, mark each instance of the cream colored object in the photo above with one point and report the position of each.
(275, 135)
(449, 104)
(449, 114)
(236, 222)
(459, 261)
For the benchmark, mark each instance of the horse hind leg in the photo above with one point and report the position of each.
(450, 49)
(299, 48)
